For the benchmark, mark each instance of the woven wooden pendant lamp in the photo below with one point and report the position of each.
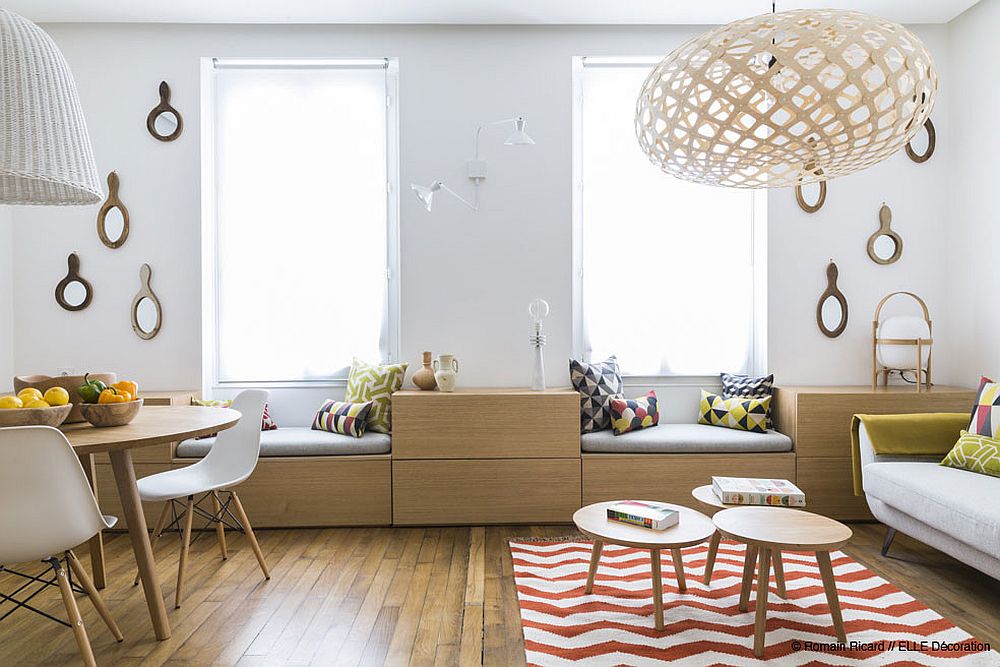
(45, 153)
(786, 99)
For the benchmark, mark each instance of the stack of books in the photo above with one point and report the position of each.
(655, 516)
(752, 491)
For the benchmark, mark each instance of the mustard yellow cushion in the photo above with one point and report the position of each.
(975, 453)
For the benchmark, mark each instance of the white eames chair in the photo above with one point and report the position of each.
(230, 461)
(47, 507)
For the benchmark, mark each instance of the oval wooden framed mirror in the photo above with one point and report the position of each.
(831, 309)
(164, 122)
(74, 291)
(147, 314)
(928, 151)
(112, 219)
(800, 197)
(885, 246)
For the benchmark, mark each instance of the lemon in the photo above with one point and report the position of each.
(56, 396)
(37, 403)
(29, 393)
(8, 402)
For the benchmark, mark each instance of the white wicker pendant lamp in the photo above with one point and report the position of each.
(786, 99)
(45, 153)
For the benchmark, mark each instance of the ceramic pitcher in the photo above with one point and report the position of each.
(446, 371)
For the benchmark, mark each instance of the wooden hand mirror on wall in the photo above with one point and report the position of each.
(147, 316)
(164, 122)
(112, 219)
(885, 246)
(831, 310)
(74, 292)
(820, 197)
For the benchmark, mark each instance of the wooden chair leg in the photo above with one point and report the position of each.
(749, 565)
(75, 621)
(185, 545)
(220, 528)
(94, 595)
(713, 551)
(245, 522)
(760, 620)
(830, 586)
(654, 555)
(595, 558)
(157, 531)
(675, 555)
(779, 573)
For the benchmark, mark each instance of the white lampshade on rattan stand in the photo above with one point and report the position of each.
(45, 153)
(786, 99)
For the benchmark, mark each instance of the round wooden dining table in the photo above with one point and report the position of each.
(154, 425)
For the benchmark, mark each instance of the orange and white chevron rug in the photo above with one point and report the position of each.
(704, 626)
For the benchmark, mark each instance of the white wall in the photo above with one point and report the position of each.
(466, 278)
(973, 235)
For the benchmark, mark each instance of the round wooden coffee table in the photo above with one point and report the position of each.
(766, 530)
(693, 528)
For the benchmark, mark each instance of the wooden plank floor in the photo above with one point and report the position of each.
(371, 596)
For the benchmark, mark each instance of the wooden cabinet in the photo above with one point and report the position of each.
(818, 419)
(478, 456)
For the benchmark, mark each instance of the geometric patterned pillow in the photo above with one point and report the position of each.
(742, 414)
(632, 414)
(735, 385)
(986, 410)
(266, 423)
(341, 417)
(375, 383)
(597, 383)
(976, 453)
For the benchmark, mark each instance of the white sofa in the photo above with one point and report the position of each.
(953, 510)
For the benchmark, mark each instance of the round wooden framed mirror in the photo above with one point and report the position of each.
(920, 149)
(74, 291)
(831, 309)
(885, 246)
(147, 314)
(112, 219)
(164, 122)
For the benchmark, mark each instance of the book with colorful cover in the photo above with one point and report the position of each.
(754, 491)
(645, 514)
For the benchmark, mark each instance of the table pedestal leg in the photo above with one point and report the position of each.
(830, 586)
(760, 622)
(657, 588)
(595, 557)
(97, 541)
(128, 493)
(713, 551)
(748, 570)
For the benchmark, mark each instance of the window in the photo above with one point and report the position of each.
(300, 210)
(669, 274)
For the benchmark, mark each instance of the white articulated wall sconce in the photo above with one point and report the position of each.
(476, 167)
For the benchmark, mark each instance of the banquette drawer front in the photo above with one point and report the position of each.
(486, 423)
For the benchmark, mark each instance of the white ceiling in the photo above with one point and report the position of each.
(462, 11)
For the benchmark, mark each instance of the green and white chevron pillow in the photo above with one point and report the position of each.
(976, 453)
(375, 383)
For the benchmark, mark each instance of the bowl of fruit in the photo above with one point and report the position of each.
(71, 383)
(30, 407)
(104, 405)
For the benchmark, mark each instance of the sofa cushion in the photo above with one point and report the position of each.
(295, 441)
(956, 502)
(685, 439)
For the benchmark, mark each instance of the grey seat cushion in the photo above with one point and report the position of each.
(296, 441)
(684, 439)
(956, 502)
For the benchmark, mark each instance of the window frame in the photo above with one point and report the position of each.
(210, 342)
(758, 258)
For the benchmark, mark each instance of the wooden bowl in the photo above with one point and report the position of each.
(111, 414)
(35, 416)
(68, 382)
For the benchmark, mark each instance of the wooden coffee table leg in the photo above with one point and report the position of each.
(713, 551)
(760, 621)
(748, 568)
(595, 557)
(779, 573)
(654, 555)
(830, 586)
(678, 558)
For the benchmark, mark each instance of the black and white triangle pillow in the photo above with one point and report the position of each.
(735, 385)
(597, 383)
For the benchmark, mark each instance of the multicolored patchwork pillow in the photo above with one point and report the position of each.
(735, 385)
(632, 414)
(975, 453)
(375, 383)
(742, 414)
(986, 409)
(342, 417)
(597, 383)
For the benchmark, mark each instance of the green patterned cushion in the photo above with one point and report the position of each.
(375, 383)
(742, 414)
(976, 453)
